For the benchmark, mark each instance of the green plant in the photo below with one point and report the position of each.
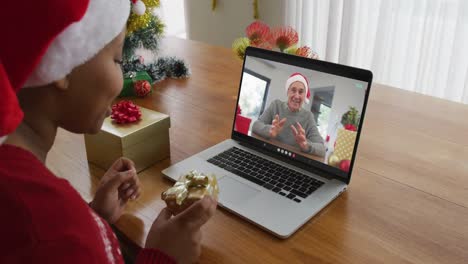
(351, 117)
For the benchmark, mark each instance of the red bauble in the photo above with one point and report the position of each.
(125, 112)
(344, 165)
(142, 88)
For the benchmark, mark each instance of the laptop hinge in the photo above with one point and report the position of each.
(299, 164)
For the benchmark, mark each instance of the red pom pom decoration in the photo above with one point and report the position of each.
(350, 127)
(142, 88)
(344, 165)
(125, 112)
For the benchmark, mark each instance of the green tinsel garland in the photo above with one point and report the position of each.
(164, 67)
(147, 38)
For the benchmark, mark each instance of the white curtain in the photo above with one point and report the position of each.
(418, 45)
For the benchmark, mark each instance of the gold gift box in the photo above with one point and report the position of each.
(345, 144)
(188, 189)
(144, 142)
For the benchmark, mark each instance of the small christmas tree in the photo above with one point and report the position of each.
(145, 30)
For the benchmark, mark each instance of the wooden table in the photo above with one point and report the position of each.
(408, 198)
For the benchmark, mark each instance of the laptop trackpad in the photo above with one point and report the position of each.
(234, 191)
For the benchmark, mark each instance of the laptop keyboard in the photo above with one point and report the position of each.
(272, 176)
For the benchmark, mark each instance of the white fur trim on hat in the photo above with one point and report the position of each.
(81, 41)
(297, 77)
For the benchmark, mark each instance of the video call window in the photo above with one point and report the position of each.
(313, 114)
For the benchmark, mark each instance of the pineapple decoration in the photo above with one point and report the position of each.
(144, 32)
(350, 119)
(341, 157)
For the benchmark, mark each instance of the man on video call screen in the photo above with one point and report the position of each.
(306, 113)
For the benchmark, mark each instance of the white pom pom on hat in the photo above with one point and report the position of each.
(298, 77)
(138, 7)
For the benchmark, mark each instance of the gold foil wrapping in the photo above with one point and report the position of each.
(188, 189)
(345, 144)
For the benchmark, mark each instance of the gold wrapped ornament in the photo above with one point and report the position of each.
(333, 160)
(188, 189)
(214, 4)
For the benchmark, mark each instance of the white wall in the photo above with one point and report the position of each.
(229, 20)
(173, 16)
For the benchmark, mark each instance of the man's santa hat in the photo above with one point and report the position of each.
(298, 77)
(45, 40)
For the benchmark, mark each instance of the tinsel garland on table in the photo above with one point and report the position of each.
(164, 67)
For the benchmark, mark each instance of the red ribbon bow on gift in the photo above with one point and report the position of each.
(125, 112)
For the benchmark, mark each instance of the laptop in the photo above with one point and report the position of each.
(279, 181)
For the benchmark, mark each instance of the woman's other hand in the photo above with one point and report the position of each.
(180, 236)
(118, 185)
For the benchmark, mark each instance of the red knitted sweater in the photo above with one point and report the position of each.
(44, 220)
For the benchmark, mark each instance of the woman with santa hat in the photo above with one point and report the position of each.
(60, 67)
(289, 122)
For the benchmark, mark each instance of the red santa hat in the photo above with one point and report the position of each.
(298, 77)
(45, 40)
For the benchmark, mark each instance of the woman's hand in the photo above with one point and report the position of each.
(276, 126)
(300, 137)
(119, 184)
(180, 236)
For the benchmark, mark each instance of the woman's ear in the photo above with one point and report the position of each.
(62, 84)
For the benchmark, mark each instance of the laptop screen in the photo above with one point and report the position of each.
(303, 110)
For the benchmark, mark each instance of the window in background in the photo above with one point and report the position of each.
(323, 120)
(321, 107)
(253, 94)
